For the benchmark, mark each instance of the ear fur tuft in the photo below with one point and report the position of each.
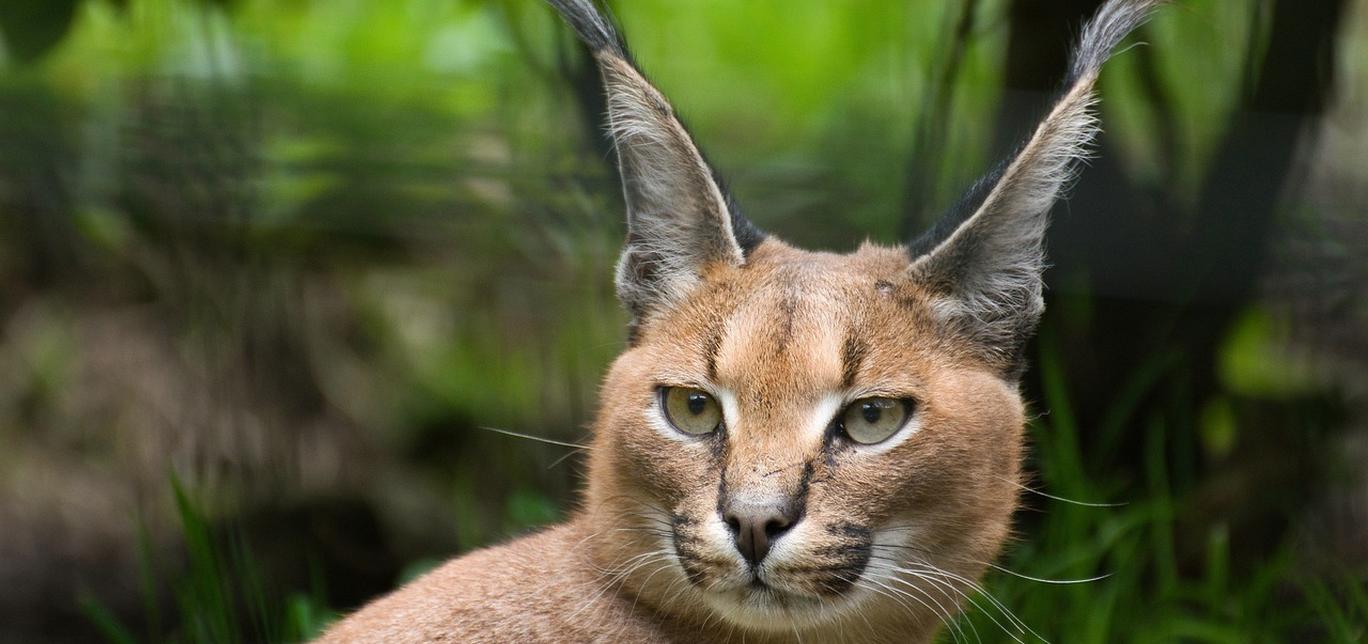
(591, 26)
(983, 261)
(679, 220)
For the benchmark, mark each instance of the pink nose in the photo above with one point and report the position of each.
(755, 528)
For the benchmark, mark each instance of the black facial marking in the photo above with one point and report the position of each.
(722, 494)
(840, 580)
(689, 559)
(788, 307)
(830, 445)
(851, 530)
(848, 557)
(717, 444)
(853, 353)
(693, 572)
(695, 567)
(711, 345)
(801, 497)
(779, 469)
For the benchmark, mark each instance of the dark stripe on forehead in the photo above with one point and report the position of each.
(712, 343)
(853, 353)
(716, 331)
(788, 307)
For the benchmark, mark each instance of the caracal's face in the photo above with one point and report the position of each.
(747, 470)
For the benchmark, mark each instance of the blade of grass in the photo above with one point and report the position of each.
(104, 620)
(203, 599)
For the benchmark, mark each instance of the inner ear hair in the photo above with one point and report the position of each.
(983, 261)
(679, 219)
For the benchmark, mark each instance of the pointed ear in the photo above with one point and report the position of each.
(983, 260)
(679, 219)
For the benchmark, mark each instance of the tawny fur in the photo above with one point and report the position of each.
(891, 537)
(953, 481)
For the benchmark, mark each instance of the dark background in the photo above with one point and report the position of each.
(267, 269)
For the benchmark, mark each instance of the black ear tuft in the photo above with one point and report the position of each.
(591, 26)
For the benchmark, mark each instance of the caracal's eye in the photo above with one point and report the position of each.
(691, 411)
(873, 420)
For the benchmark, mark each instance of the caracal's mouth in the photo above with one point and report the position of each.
(761, 595)
(766, 603)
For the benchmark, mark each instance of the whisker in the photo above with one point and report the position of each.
(616, 579)
(894, 566)
(943, 585)
(932, 573)
(858, 612)
(951, 615)
(905, 605)
(1047, 495)
(538, 439)
(647, 581)
(954, 634)
(1062, 582)
(928, 568)
(1043, 580)
(562, 458)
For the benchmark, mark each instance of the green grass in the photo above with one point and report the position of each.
(218, 594)
(1148, 594)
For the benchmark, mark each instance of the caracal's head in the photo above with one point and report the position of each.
(797, 439)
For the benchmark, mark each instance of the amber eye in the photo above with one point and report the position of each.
(691, 411)
(873, 420)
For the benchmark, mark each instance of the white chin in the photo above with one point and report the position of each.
(767, 609)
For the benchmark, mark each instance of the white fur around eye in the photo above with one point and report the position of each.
(731, 412)
(823, 415)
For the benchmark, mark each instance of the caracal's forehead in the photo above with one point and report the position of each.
(785, 336)
(793, 324)
(787, 330)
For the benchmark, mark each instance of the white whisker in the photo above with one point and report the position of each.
(1047, 495)
(538, 439)
(1062, 582)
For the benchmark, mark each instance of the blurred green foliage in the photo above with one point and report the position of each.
(326, 241)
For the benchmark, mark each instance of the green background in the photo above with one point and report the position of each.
(267, 269)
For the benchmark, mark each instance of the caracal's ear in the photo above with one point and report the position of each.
(983, 260)
(679, 219)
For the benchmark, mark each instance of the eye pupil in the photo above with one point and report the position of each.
(690, 411)
(872, 420)
(871, 412)
(697, 403)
